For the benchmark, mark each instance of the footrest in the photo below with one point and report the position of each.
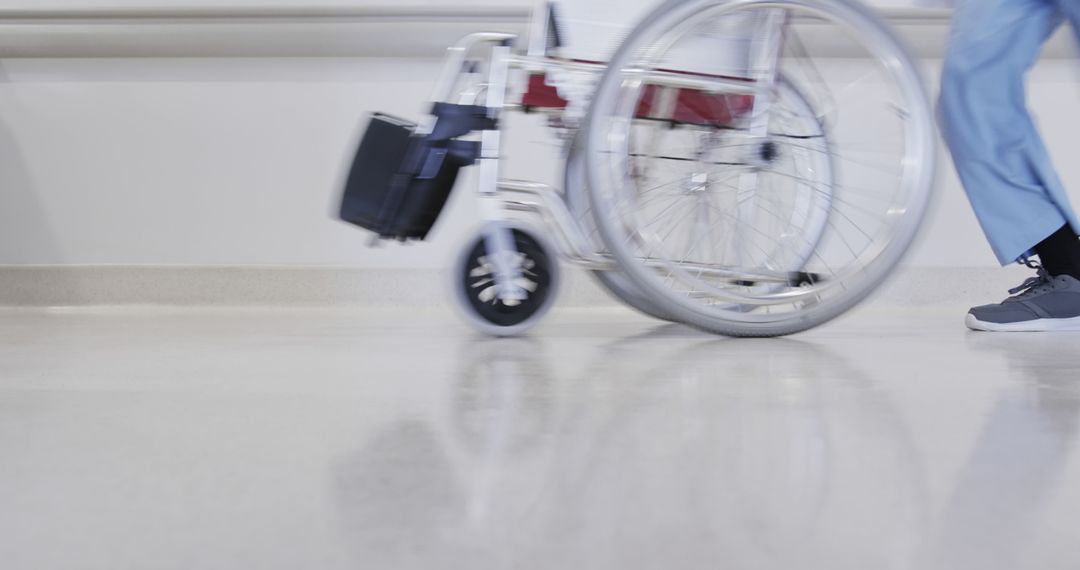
(400, 180)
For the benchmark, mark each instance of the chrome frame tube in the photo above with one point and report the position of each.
(543, 200)
(498, 236)
(547, 203)
(455, 60)
(733, 85)
(764, 63)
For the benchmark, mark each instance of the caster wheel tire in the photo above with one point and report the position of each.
(475, 290)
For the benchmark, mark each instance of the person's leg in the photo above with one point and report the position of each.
(1006, 171)
(996, 148)
(1059, 254)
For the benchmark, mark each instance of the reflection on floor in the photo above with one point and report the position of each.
(395, 439)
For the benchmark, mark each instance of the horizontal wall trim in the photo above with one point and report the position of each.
(387, 12)
(181, 15)
(301, 31)
(44, 286)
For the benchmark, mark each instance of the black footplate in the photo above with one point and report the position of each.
(794, 279)
(400, 180)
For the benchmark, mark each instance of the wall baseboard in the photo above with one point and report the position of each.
(48, 286)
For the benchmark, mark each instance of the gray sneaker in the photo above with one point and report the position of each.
(1041, 304)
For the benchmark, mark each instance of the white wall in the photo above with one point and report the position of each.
(238, 160)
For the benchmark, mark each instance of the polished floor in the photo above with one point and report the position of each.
(388, 439)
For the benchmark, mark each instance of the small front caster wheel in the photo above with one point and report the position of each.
(476, 292)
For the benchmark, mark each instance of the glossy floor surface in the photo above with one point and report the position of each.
(394, 439)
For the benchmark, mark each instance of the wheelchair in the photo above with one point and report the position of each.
(752, 168)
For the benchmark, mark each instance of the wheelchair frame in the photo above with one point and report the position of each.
(543, 200)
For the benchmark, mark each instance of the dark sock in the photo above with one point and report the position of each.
(1060, 253)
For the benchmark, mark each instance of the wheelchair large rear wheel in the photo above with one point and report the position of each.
(718, 242)
(670, 148)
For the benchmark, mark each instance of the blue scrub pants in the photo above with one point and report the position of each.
(998, 153)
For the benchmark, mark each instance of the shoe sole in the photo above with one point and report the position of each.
(1037, 325)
